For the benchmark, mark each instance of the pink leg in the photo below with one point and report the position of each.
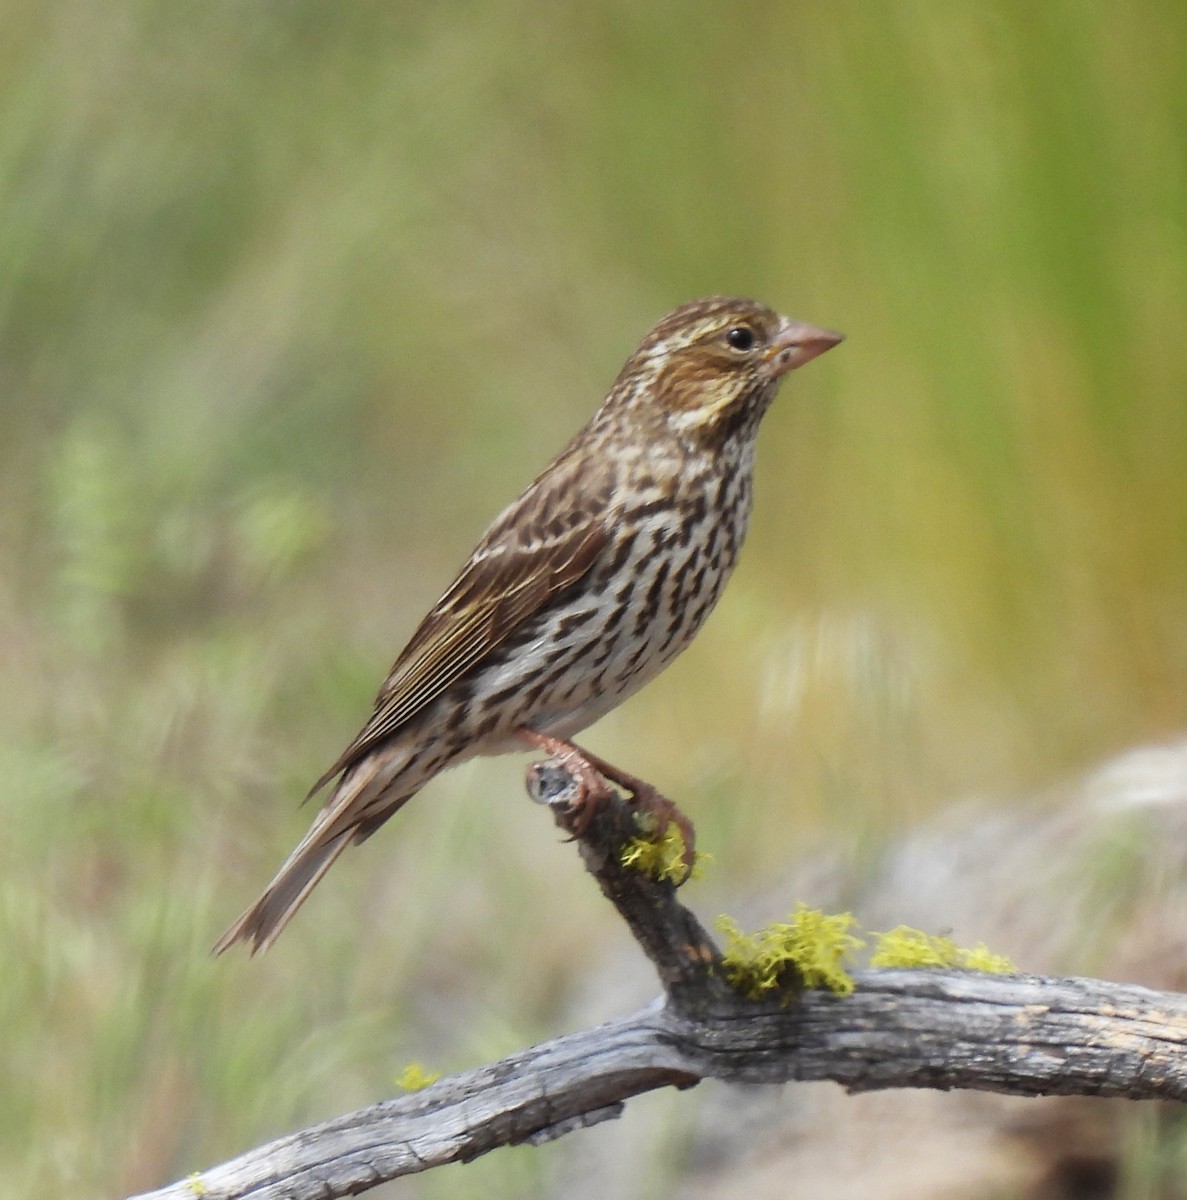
(592, 789)
(591, 772)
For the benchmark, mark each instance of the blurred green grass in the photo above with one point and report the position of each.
(294, 297)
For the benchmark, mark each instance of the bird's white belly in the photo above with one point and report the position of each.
(592, 653)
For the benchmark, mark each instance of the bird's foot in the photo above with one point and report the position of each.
(592, 788)
(664, 813)
(591, 773)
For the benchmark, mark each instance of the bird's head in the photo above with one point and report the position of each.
(711, 367)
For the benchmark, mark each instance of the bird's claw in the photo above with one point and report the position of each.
(592, 777)
(665, 813)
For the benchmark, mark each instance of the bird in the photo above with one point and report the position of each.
(581, 591)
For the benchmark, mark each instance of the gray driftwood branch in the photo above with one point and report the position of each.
(1019, 1034)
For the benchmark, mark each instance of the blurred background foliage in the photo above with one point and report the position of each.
(295, 296)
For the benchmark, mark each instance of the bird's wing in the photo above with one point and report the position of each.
(541, 544)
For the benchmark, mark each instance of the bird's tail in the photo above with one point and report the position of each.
(262, 922)
(360, 804)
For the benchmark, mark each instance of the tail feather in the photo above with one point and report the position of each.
(262, 923)
(361, 802)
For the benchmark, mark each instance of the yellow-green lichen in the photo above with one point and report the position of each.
(662, 858)
(414, 1077)
(981, 958)
(907, 947)
(195, 1185)
(809, 950)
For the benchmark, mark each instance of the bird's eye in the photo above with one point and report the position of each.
(741, 337)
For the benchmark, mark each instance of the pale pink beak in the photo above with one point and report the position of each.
(797, 343)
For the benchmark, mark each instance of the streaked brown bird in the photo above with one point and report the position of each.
(582, 590)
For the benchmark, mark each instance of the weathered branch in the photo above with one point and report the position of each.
(1025, 1035)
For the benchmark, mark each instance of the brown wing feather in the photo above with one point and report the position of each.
(544, 542)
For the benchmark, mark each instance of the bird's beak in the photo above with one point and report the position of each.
(797, 343)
